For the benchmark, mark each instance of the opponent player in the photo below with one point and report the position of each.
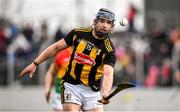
(93, 57)
(57, 67)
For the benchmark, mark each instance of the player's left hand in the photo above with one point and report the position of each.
(104, 101)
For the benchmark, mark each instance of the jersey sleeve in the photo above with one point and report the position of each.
(110, 59)
(69, 38)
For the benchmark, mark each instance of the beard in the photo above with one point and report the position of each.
(101, 35)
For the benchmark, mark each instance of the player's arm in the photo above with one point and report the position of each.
(107, 81)
(47, 53)
(51, 51)
(49, 77)
(108, 71)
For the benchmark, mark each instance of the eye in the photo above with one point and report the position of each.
(109, 22)
(102, 20)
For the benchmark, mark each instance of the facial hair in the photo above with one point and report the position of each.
(101, 35)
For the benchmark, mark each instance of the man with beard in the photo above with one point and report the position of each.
(92, 59)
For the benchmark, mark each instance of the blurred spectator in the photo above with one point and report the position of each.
(165, 78)
(161, 46)
(11, 32)
(29, 44)
(3, 48)
(44, 32)
(59, 34)
(132, 12)
(175, 36)
(152, 78)
(28, 32)
(3, 41)
(177, 75)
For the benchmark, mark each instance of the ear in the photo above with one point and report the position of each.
(112, 27)
(95, 21)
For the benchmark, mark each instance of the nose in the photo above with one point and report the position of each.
(104, 24)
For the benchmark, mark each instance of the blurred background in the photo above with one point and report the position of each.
(147, 50)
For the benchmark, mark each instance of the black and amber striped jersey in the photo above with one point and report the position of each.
(88, 56)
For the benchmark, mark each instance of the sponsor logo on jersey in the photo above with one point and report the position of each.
(83, 59)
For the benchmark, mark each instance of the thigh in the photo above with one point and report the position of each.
(98, 109)
(71, 98)
(71, 107)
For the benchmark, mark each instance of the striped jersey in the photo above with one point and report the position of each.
(88, 56)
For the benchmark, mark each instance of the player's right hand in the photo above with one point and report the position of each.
(29, 69)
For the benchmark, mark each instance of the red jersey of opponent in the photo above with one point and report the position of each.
(62, 60)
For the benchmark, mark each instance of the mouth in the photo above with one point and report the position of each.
(103, 31)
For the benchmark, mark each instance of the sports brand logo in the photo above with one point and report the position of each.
(68, 96)
(83, 59)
